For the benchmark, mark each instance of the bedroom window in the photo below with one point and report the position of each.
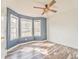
(26, 27)
(21, 28)
(13, 27)
(37, 27)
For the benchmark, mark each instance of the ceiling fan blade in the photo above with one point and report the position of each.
(39, 7)
(45, 11)
(51, 3)
(53, 10)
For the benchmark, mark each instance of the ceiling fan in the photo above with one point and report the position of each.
(46, 7)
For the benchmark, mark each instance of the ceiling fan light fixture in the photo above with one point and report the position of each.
(46, 7)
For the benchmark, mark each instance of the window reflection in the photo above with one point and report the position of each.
(26, 27)
(13, 27)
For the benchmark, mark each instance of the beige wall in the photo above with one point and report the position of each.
(62, 26)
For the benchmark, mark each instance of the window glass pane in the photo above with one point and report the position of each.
(37, 27)
(13, 27)
(26, 27)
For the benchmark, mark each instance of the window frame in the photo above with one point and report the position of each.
(11, 24)
(24, 39)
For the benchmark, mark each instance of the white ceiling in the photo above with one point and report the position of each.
(26, 6)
